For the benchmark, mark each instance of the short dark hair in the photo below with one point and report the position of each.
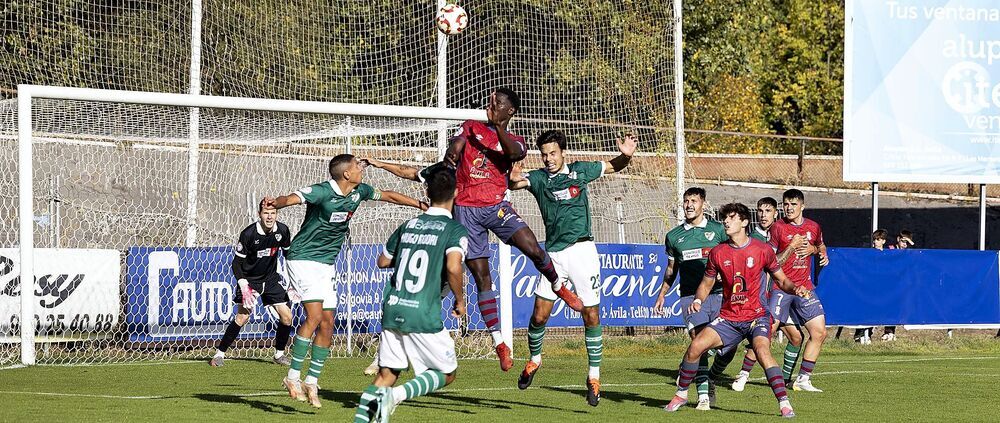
(793, 194)
(735, 208)
(880, 234)
(338, 164)
(906, 233)
(441, 185)
(769, 201)
(550, 136)
(695, 191)
(515, 100)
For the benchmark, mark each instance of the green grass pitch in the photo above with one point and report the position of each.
(930, 378)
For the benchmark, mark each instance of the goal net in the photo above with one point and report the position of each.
(114, 176)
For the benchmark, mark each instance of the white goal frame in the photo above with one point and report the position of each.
(26, 215)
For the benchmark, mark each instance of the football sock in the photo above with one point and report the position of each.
(535, 336)
(807, 368)
(319, 355)
(425, 383)
(367, 396)
(546, 268)
(281, 338)
(232, 331)
(219, 353)
(300, 346)
(777, 383)
(594, 341)
(686, 373)
(791, 356)
(701, 380)
(488, 309)
(721, 362)
(748, 364)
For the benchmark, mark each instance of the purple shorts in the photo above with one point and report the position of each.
(732, 333)
(780, 304)
(806, 309)
(501, 219)
(708, 312)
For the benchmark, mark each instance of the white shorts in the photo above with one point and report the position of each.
(579, 265)
(313, 281)
(397, 350)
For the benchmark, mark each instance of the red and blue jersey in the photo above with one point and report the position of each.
(743, 272)
(798, 269)
(483, 168)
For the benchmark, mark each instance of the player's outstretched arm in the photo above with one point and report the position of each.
(517, 179)
(402, 199)
(627, 146)
(283, 201)
(402, 171)
(455, 273)
(384, 261)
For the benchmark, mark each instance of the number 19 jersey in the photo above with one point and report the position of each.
(411, 300)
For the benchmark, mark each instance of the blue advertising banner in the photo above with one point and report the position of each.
(922, 91)
(865, 286)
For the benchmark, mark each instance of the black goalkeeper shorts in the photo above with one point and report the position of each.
(270, 292)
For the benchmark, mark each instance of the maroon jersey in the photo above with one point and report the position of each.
(483, 169)
(744, 282)
(798, 269)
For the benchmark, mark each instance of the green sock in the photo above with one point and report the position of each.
(595, 349)
(535, 336)
(701, 378)
(367, 396)
(791, 356)
(425, 383)
(300, 346)
(319, 355)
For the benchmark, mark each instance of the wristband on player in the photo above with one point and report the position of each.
(242, 283)
(696, 301)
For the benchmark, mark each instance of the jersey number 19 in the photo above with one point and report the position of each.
(414, 266)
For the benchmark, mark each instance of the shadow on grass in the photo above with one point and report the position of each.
(669, 374)
(474, 403)
(256, 404)
(346, 399)
(615, 396)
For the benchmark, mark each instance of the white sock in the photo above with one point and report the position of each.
(294, 374)
(594, 373)
(310, 380)
(703, 397)
(219, 353)
(744, 373)
(682, 394)
(279, 354)
(784, 404)
(537, 359)
(497, 337)
(398, 393)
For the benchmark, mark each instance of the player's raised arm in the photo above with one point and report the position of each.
(518, 178)
(627, 146)
(402, 171)
(283, 201)
(503, 104)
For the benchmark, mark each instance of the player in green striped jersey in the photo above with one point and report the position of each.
(560, 188)
(309, 262)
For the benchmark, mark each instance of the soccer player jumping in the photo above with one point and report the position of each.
(740, 264)
(484, 154)
(561, 192)
(329, 208)
(255, 266)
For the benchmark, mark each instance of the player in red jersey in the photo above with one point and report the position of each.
(797, 239)
(484, 154)
(740, 264)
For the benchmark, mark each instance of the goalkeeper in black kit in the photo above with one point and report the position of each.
(255, 266)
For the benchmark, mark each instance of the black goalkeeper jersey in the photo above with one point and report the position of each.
(257, 252)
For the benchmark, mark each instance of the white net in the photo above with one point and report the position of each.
(114, 176)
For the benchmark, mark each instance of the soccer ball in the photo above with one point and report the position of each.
(452, 19)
